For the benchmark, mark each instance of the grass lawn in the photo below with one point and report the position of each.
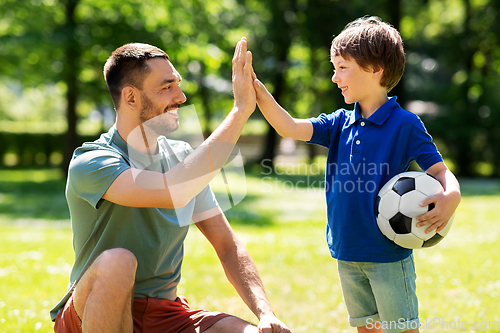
(283, 228)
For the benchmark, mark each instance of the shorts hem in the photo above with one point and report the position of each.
(402, 326)
(395, 327)
(363, 321)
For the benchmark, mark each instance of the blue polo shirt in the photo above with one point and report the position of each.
(363, 155)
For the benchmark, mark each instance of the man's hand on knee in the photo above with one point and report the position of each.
(271, 324)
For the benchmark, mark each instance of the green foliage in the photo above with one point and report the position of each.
(49, 55)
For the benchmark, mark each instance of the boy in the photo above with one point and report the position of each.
(367, 146)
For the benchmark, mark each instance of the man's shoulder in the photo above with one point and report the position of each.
(103, 145)
(97, 152)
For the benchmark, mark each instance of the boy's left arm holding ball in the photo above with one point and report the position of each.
(445, 203)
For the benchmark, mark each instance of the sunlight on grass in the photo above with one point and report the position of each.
(284, 231)
(38, 176)
(35, 264)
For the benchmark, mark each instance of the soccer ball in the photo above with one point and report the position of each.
(398, 206)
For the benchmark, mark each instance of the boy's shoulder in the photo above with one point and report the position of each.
(335, 117)
(403, 115)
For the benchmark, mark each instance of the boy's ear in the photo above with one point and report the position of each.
(377, 73)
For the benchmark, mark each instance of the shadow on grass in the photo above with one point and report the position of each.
(262, 203)
(473, 187)
(245, 213)
(33, 200)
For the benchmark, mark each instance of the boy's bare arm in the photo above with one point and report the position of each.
(279, 118)
(445, 203)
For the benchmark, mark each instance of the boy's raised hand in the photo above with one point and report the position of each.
(260, 90)
(244, 94)
(279, 118)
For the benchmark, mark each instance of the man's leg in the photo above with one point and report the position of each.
(232, 325)
(103, 296)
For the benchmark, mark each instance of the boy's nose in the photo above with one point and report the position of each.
(334, 78)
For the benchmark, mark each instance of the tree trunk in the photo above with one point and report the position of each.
(394, 10)
(466, 133)
(282, 39)
(70, 77)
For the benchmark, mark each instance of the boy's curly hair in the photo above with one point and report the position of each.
(373, 44)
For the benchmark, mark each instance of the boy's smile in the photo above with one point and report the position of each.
(358, 84)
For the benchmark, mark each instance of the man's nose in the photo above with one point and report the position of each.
(180, 96)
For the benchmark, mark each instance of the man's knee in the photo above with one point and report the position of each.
(112, 274)
(115, 264)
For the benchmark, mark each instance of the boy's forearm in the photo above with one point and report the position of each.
(447, 179)
(278, 117)
(450, 185)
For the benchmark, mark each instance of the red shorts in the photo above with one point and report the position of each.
(151, 315)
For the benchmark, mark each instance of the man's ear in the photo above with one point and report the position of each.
(129, 97)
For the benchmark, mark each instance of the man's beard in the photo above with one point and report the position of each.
(156, 119)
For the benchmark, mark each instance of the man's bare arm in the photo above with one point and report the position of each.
(176, 187)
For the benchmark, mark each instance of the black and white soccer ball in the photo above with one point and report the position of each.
(398, 206)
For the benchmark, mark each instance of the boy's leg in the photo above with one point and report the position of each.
(394, 287)
(103, 296)
(358, 297)
(366, 329)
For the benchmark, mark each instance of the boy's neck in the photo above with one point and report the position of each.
(369, 107)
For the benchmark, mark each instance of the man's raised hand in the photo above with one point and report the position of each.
(243, 90)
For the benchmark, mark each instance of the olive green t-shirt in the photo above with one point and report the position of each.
(154, 235)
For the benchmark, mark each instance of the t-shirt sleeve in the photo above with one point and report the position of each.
(421, 148)
(92, 172)
(205, 200)
(323, 127)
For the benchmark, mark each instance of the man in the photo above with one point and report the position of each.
(130, 194)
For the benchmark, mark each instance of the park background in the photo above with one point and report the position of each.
(53, 97)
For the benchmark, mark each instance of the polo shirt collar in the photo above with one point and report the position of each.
(380, 116)
(138, 159)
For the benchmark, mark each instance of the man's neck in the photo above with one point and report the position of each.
(138, 136)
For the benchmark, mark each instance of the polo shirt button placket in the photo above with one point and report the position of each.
(358, 142)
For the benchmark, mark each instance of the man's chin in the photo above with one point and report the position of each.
(161, 130)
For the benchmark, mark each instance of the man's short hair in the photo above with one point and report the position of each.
(372, 44)
(127, 66)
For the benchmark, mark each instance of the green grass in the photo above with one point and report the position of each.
(283, 228)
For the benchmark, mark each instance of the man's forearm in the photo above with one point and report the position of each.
(243, 275)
